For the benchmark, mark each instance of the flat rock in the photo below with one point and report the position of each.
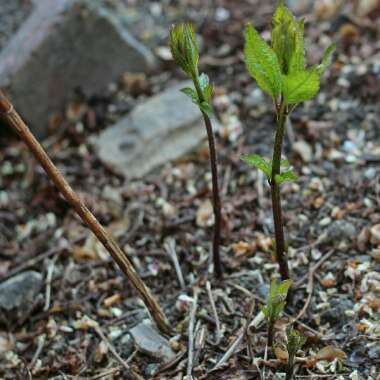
(341, 230)
(12, 15)
(150, 342)
(300, 6)
(162, 129)
(19, 292)
(63, 46)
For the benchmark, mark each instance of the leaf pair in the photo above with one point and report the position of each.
(203, 101)
(276, 299)
(286, 175)
(280, 70)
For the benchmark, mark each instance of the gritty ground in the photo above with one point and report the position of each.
(331, 213)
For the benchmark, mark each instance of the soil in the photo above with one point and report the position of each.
(330, 214)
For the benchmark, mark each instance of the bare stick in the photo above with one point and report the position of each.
(171, 251)
(49, 278)
(12, 118)
(104, 374)
(215, 313)
(99, 331)
(191, 336)
(41, 343)
(236, 343)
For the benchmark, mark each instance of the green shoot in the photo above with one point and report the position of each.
(184, 48)
(275, 305)
(280, 71)
(294, 343)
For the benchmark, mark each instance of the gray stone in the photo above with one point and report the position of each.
(126, 345)
(12, 15)
(65, 45)
(341, 230)
(337, 310)
(255, 98)
(19, 292)
(300, 6)
(160, 130)
(263, 291)
(150, 342)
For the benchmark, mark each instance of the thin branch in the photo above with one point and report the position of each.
(40, 346)
(214, 311)
(99, 331)
(191, 336)
(170, 248)
(13, 119)
(236, 343)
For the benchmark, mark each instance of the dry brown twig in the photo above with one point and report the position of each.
(13, 119)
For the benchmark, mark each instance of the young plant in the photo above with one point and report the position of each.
(280, 71)
(275, 305)
(184, 49)
(294, 343)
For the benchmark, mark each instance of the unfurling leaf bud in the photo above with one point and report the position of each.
(184, 48)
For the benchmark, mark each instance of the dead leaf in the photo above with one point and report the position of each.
(243, 248)
(375, 253)
(349, 34)
(330, 353)
(114, 299)
(375, 234)
(326, 9)
(264, 242)
(205, 215)
(281, 354)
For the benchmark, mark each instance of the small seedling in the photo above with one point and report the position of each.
(280, 71)
(184, 49)
(275, 305)
(294, 343)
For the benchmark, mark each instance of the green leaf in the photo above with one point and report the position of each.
(283, 288)
(297, 60)
(206, 108)
(282, 14)
(326, 60)
(262, 62)
(276, 299)
(204, 81)
(300, 86)
(259, 163)
(191, 93)
(184, 48)
(288, 40)
(295, 341)
(282, 41)
(205, 86)
(286, 176)
(208, 92)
